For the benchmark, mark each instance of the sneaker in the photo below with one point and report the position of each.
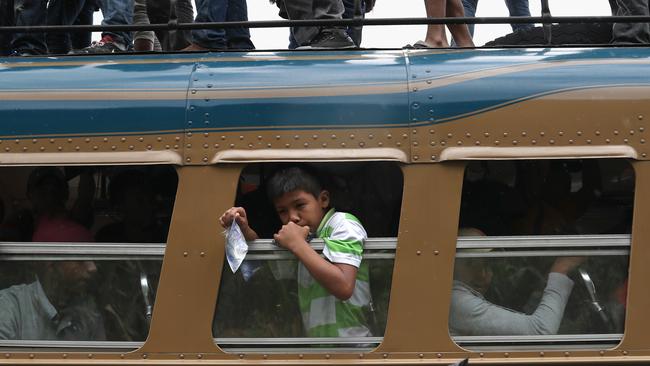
(330, 38)
(23, 53)
(105, 45)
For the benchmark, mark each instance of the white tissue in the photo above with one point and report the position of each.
(236, 246)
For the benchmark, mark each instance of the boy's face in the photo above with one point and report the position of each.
(302, 208)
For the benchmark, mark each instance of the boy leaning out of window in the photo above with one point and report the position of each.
(333, 289)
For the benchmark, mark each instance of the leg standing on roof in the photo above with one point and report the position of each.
(626, 33)
(115, 12)
(23, 13)
(317, 37)
(519, 8)
(217, 39)
(436, 36)
(66, 12)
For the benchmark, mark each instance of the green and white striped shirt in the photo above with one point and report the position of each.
(323, 314)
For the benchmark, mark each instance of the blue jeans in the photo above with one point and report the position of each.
(220, 11)
(65, 12)
(118, 12)
(348, 13)
(23, 13)
(517, 8)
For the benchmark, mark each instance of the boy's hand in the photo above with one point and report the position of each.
(239, 215)
(291, 236)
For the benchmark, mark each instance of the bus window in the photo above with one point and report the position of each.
(542, 254)
(81, 251)
(262, 305)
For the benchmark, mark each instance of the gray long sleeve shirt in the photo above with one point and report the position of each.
(472, 315)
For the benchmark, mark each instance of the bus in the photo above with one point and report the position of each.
(502, 181)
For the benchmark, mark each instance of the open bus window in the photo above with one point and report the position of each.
(80, 254)
(261, 305)
(542, 256)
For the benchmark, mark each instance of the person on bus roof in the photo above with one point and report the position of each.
(472, 315)
(332, 289)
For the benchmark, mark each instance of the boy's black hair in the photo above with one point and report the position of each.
(293, 179)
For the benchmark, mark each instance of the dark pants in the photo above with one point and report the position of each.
(23, 13)
(626, 33)
(310, 9)
(516, 8)
(354, 32)
(66, 12)
(219, 11)
(159, 12)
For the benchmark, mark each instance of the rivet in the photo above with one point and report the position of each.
(371, 136)
(296, 137)
(418, 252)
(250, 146)
(567, 354)
(533, 142)
(459, 142)
(380, 144)
(177, 138)
(216, 146)
(430, 97)
(43, 149)
(25, 148)
(439, 355)
(362, 144)
(131, 147)
(306, 144)
(35, 141)
(185, 254)
(506, 354)
(232, 145)
(360, 355)
(199, 356)
(602, 353)
(76, 148)
(449, 135)
(123, 139)
(524, 134)
(265, 356)
(189, 134)
(496, 142)
(597, 133)
(385, 355)
(90, 355)
(414, 76)
(515, 142)
(52, 140)
(624, 353)
(414, 132)
(404, 136)
(65, 355)
(415, 90)
(429, 81)
(144, 355)
(7, 355)
(31, 355)
(570, 141)
(642, 141)
(626, 141)
(588, 141)
(415, 143)
(241, 137)
(415, 157)
(327, 356)
(398, 143)
(551, 141)
(193, 91)
(7, 149)
(561, 133)
(186, 159)
(481, 354)
(287, 145)
(427, 71)
(640, 117)
(181, 356)
(641, 129)
(631, 132)
(432, 143)
(644, 155)
(159, 139)
(205, 146)
(608, 141)
(389, 136)
(69, 141)
(579, 133)
(505, 134)
(541, 354)
(209, 85)
(205, 159)
(167, 147)
(615, 132)
(176, 147)
(433, 157)
(223, 138)
(259, 137)
(468, 135)
(443, 143)
(421, 355)
(432, 131)
(202, 254)
(351, 136)
(333, 137)
(112, 147)
(486, 134)
(542, 133)
(415, 105)
(96, 147)
(300, 356)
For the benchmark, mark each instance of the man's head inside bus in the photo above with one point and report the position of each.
(47, 190)
(298, 197)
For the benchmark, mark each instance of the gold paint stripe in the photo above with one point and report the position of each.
(299, 92)
(87, 95)
(290, 128)
(447, 80)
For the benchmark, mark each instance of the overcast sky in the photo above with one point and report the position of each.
(398, 36)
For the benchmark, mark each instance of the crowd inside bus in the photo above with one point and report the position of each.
(142, 12)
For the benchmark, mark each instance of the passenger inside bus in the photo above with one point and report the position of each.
(55, 306)
(324, 284)
(472, 314)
